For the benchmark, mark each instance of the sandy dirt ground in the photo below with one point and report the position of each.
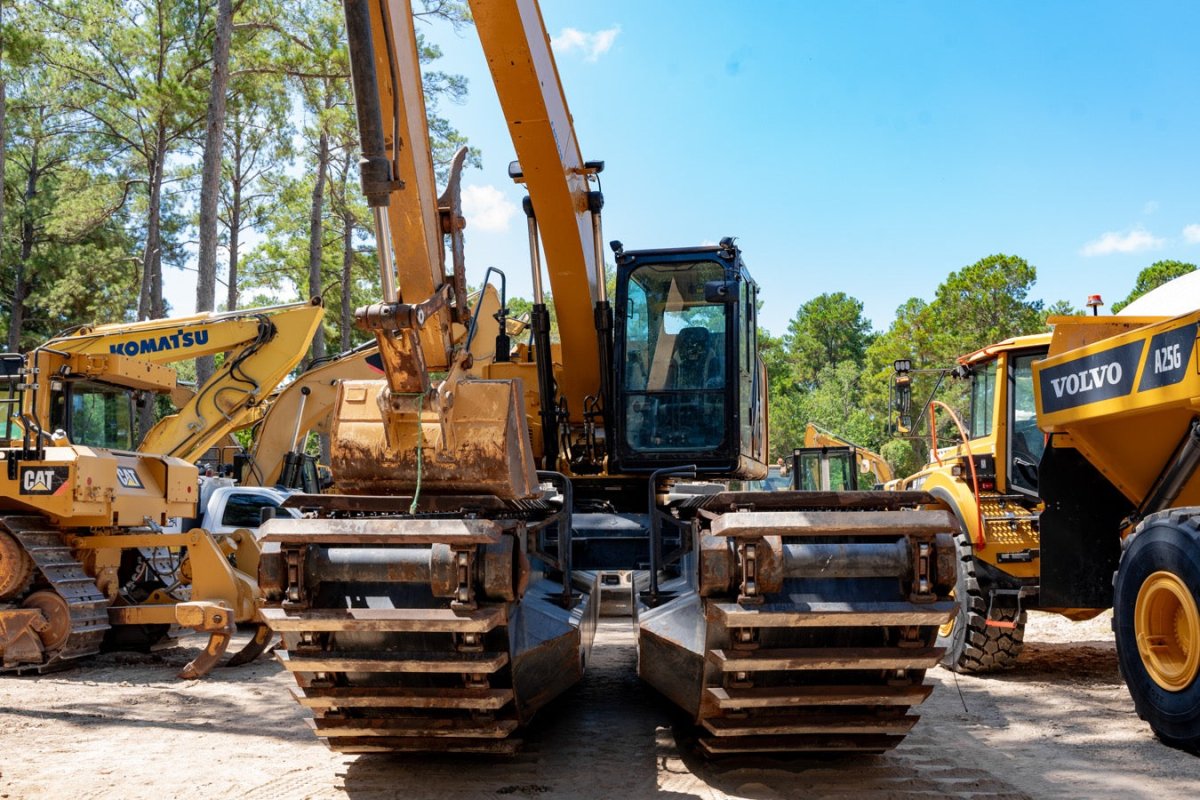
(122, 726)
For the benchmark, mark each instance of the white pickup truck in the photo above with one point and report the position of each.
(226, 507)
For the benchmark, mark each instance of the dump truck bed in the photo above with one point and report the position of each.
(1125, 401)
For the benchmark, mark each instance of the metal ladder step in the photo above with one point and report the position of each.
(388, 661)
(792, 725)
(792, 696)
(397, 744)
(802, 614)
(417, 620)
(827, 658)
(716, 745)
(405, 727)
(390, 697)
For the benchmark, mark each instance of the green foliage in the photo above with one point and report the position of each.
(1062, 308)
(901, 457)
(1152, 277)
(984, 303)
(826, 330)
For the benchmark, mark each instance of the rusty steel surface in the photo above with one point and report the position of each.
(57, 614)
(810, 623)
(381, 531)
(835, 523)
(842, 560)
(476, 441)
(822, 658)
(395, 504)
(389, 661)
(377, 697)
(64, 575)
(828, 614)
(16, 567)
(481, 620)
(792, 501)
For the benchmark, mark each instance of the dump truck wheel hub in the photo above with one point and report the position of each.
(1167, 626)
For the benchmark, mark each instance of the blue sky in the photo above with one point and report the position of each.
(869, 148)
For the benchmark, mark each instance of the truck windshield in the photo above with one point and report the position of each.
(674, 359)
(95, 415)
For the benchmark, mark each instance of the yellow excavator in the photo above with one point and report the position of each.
(83, 555)
(446, 589)
(827, 461)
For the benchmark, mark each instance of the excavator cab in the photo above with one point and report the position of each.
(687, 388)
(93, 413)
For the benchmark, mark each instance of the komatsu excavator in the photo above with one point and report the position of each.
(446, 590)
(80, 506)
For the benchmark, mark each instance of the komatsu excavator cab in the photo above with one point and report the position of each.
(687, 385)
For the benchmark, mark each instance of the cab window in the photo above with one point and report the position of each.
(245, 510)
(675, 356)
(983, 396)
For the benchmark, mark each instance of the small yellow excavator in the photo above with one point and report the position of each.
(81, 508)
(829, 462)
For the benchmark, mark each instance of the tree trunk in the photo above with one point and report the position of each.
(347, 277)
(235, 227)
(21, 278)
(210, 174)
(150, 304)
(315, 232)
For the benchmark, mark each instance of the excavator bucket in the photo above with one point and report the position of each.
(480, 445)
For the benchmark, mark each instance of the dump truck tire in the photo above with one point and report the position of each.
(973, 646)
(1155, 602)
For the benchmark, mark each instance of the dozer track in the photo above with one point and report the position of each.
(76, 611)
(407, 635)
(812, 624)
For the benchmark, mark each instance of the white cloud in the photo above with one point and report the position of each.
(1191, 234)
(591, 45)
(1150, 207)
(487, 209)
(1129, 242)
